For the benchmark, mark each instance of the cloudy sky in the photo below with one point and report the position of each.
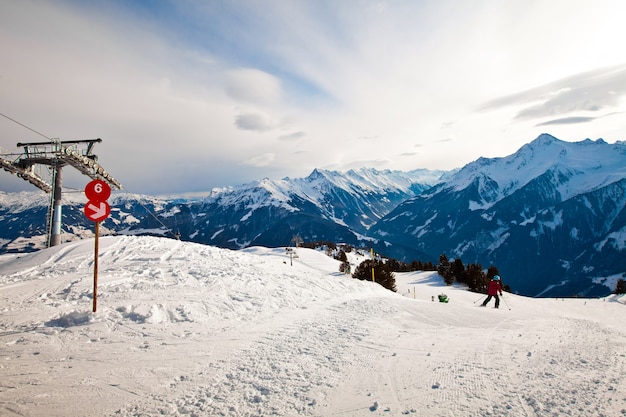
(189, 95)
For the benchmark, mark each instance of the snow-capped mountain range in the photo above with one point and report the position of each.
(326, 205)
(551, 216)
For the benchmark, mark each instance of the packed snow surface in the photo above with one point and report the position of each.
(183, 329)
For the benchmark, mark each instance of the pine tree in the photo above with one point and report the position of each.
(445, 269)
(458, 270)
(344, 266)
(476, 279)
(620, 287)
(395, 265)
(492, 272)
(382, 273)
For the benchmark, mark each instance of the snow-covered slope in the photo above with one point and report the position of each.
(184, 329)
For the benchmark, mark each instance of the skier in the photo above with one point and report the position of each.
(494, 288)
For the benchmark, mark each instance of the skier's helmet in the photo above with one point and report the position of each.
(496, 278)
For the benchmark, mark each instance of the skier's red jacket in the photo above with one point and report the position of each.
(494, 288)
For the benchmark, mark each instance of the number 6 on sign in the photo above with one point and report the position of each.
(97, 190)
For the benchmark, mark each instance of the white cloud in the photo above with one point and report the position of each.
(203, 88)
(263, 160)
(292, 136)
(585, 93)
(254, 121)
(252, 85)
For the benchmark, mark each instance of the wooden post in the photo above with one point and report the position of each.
(95, 269)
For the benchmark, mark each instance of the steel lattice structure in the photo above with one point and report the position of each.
(56, 154)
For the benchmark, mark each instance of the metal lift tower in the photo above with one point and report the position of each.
(56, 154)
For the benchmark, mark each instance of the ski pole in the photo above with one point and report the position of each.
(481, 297)
(505, 303)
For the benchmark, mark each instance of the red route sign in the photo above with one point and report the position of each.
(97, 211)
(97, 190)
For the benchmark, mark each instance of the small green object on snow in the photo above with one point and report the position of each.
(443, 298)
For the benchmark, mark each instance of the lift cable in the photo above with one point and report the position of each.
(29, 128)
(137, 197)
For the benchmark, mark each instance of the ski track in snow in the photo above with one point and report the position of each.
(191, 330)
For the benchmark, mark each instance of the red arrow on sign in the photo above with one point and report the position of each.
(97, 211)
